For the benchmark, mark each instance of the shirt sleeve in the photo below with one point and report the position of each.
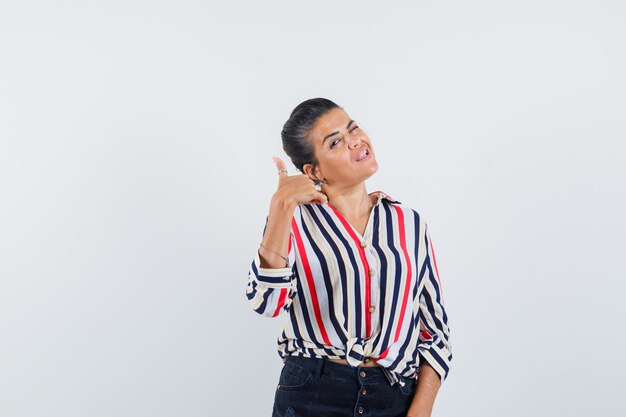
(270, 291)
(434, 340)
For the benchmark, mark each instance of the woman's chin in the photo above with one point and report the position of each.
(373, 168)
(371, 172)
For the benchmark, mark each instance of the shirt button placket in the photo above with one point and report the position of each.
(373, 274)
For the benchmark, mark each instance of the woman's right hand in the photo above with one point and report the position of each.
(294, 190)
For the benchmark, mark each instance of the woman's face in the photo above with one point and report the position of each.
(343, 150)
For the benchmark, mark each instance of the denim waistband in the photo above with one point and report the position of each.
(323, 366)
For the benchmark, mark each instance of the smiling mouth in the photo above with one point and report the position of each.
(364, 154)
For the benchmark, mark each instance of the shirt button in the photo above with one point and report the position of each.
(364, 244)
(361, 410)
(372, 272)
(364, 392)
(372, 309)
(362, 374)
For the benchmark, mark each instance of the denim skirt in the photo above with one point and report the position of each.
(315, 387)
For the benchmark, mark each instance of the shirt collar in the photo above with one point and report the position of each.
(381, 195)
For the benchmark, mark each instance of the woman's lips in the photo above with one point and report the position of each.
(364, 157)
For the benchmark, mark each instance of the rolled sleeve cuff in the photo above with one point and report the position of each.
(438, 357)
(271, 277)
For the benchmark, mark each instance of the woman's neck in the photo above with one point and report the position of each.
(353, 202)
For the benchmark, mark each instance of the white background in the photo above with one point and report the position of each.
(135, 175)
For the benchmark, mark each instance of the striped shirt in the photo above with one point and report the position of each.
(352, 296)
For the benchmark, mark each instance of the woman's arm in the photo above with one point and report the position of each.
(271, 286)
(428, 384)
(276, 235)
(292, 191)
(434, 346)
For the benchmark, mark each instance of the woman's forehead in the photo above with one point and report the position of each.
(334, 120)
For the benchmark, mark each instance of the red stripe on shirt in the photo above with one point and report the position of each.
(310, 281)
(281, 301)
(366, 268)
(384, 354)
(432, 249)
(283, 292)
(426, 335)
(407, 285)
(409, 268)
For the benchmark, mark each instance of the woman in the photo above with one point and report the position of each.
(355, 273)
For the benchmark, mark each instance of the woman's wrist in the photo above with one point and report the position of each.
(281, 203)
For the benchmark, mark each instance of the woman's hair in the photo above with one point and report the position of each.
(295, 133)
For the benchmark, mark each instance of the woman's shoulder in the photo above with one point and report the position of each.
(397, 205)
(384, 198)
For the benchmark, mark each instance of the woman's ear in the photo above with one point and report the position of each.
(311, 171)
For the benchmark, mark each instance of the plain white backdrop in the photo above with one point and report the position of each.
(135, 174)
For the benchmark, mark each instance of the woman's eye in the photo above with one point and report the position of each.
(335, 142)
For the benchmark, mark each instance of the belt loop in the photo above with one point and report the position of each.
(320, 367)
(389, 375)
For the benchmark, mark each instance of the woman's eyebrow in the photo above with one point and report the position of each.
(336, 132)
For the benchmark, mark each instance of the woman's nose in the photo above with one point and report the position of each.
(354, 142)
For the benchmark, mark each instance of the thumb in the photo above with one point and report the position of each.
(321, 198)
(280, 164)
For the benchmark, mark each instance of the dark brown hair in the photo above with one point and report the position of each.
(295, 134)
